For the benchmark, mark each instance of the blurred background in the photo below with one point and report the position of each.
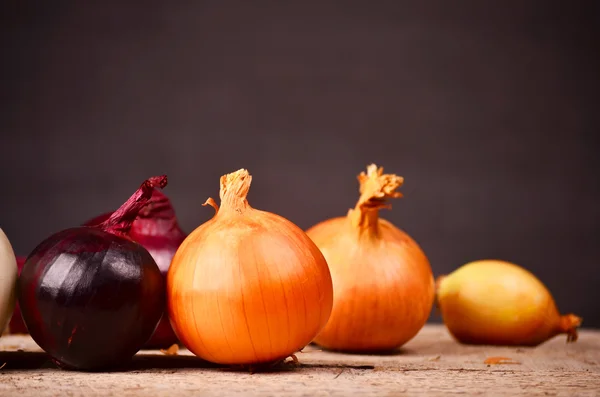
(489, 111)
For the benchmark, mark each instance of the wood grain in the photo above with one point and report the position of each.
(432, 363)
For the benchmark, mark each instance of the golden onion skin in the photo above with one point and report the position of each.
(248, 286)
(383, 287)
(382, 281)
(500, 303)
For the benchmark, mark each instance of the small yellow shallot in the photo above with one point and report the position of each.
(499, 303)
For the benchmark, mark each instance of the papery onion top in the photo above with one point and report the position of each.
(121, 220)
(375, 189)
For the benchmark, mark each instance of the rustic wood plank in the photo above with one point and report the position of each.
(432, 363)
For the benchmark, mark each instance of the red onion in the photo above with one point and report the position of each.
(91, 296)
(16, 324)
(156, 229)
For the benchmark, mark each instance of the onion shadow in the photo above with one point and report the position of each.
(142, 362)
(22, 360)
(145, 361)
(399, 351)
(290, 366)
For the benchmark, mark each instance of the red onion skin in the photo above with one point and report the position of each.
(157, 230)
(16, 324)
(91, 297)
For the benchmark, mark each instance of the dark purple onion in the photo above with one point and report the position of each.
(91, 296)
(156, 228)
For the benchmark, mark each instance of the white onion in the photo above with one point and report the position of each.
(8, 280)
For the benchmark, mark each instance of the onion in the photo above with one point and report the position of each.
(247, 286)
(499, 303)
(382, 281)
(91, 296)
(156, 229)
(16, 324)
(8, 280)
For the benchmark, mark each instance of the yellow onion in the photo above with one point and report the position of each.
(248, 286)
(8, 280)
(382, 281)
(499, 303)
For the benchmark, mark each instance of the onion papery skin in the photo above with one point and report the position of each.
(382, 281)
(8, 280)
(495, 302)
(16, 324)
(383, 287)
(248, 286)
(99, 320)
(156, 228)
(90, 296)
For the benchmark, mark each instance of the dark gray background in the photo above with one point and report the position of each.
(489, 111)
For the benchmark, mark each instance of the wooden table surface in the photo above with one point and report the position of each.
(432, 363)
